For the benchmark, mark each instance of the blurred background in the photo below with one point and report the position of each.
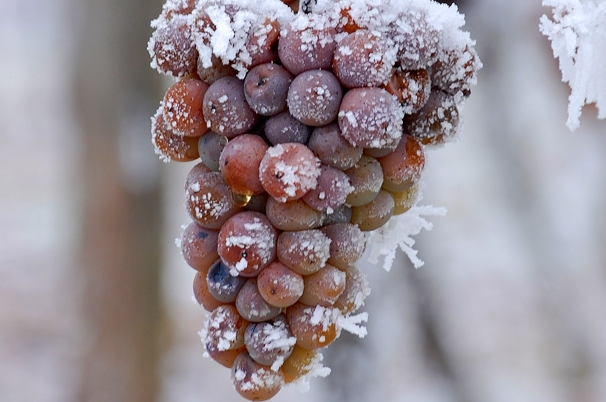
(96, 303)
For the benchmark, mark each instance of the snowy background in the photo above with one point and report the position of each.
(510, 305)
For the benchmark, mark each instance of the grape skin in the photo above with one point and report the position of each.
(374, 214)
(269, 342)
(324, 287)
(305, 251)
(202, 294)
(182, 107)
(223, 334)
(332, 148)
(292, 215)
(314, 327)
(331, 191)
(254, 381)
(252, 306)
(347, 244)
(366, 177)
(210, 146)
(403, 167)
(199, 246)
(209, 201)
(283, 127)
(169, 145)
(221, 284)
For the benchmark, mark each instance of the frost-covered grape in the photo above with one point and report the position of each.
(374, 214)
(419, 39)
(225, 108)
(199, 246)
(370, 117)
(305, 251)
(255, 381)
(221, 284)
(283, 128)
(455, 71)
(436, 122)
(269, 342)
(202, 294)
(288, 171)
(216, 70)
(209, 148)
(347, 244)
(331, 192)
(252, 306)
(247, 243)
(172, 49)
(314, 327)
(300, 362)
(332, 148)
(182, 107)
(406, 199)
(262, 44)
(403, 167)
(266, 87)
(383, 151)
(307, 43)
(279, 285)
(209, 201)
(411, 87)
(355, 292)
(196, 173)
(324, 287)
(239, 163)
(363, 59)
(169, 145)
(314, 97)
(366, 177)
(223, 334)
(292, 215)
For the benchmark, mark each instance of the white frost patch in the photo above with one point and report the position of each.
(399, 232)
(578, 39)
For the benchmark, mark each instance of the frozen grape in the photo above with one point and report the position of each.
(406, 199)
(363, 59)
(239, 163)
(292, 215)
(209, 200)
(411, 87)
(252, 306)
(288, 171)
(300, 362)
(332, 148)
(403, 167)
(210, 146)
(370, 117)
(169, 145)
(247, 243)
(283, 128)
(269, 343)
(279, 285)
(172, 49)
(216, 71)
(374, 214)
(262, 45)
(314, 327)
(355, 292)
(223, 334)
(418, 38)
(436, 122)
(255, 381)
(266, 87)
(182, 107)
(324, 287)
(305, 251)
(347, 244)
(331, 191)
(455, 71)
(195, 174)
(306, 43)
(366, 177)
(202, 294)
(221, 284)
(199, 246)
(314, 97)
(225, 108)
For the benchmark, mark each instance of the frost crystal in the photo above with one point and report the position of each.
(398, 232)
(578, 39)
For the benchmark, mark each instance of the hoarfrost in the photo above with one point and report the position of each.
(399, 232)
(577, 32)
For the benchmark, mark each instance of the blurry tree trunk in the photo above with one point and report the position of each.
(120, 230)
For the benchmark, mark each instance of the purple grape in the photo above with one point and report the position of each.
(266, 87)
(283, 128)
(221, 284)
(314, 97)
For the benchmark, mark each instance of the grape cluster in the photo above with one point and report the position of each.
(311, 130)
